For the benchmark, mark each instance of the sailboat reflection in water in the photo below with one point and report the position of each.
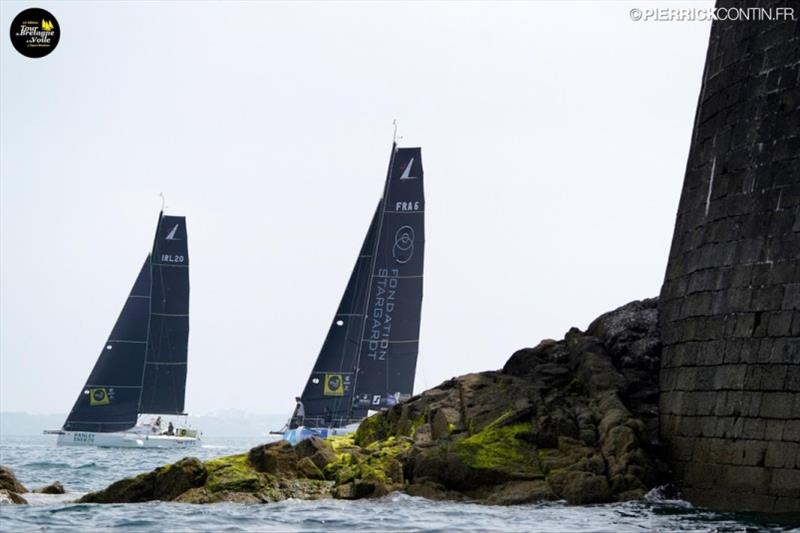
(141, 371)
(369, 357)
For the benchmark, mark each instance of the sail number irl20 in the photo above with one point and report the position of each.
(167, 258)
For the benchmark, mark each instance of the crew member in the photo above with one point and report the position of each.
(299, 414)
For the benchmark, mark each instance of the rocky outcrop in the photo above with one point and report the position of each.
(10, 487)
(164, 483)
(9, 497)
(53, 488)
(574, 419)
(9, 481)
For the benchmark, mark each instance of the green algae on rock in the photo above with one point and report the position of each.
(573, 419)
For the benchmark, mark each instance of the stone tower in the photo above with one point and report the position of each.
(730, 304)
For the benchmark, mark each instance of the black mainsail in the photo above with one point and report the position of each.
(369, 357)
(142, 367)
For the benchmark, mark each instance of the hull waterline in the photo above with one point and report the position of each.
(124, 439)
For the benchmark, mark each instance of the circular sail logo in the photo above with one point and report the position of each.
(35, 32)
(333, 385)
(403, 248)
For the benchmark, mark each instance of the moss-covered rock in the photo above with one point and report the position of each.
(164, 483)
(319, 451)
(308, 470)
(557, 422)
(233, 474)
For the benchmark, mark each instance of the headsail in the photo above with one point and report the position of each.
(370, 364)
(164, 380)
(109, 401)
(142, 367)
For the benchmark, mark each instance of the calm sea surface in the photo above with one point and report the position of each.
(37, 461)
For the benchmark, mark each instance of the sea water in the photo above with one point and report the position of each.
(37, 462)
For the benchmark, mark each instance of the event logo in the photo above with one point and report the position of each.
(35, 32)
(403, 248)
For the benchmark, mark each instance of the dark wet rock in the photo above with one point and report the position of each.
(11, 497)
(164, 483)
(514, 493)
(9, 481)
(319, 451)
(308, 470)
(573, 419)
(10, 487)
(278, 458)
(53, 488)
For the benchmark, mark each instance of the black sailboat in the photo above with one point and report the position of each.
(369, 357)
(142, 366)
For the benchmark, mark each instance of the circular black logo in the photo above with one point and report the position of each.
(35, 32)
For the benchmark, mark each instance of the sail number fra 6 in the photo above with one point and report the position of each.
(169, 258)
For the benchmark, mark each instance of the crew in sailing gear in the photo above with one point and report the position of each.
(170, 429)
(299, 414)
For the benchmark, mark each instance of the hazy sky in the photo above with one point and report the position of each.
(554, 138)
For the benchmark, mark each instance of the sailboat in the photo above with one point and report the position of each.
(141, 370)
(368, 360)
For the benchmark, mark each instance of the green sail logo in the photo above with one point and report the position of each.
(333, 385)
(99, 396)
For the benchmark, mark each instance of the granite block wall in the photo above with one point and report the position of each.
(730, 303)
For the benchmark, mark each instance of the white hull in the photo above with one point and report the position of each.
(124, 439)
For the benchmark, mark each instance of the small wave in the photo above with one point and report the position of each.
(667, 494)
(45, 464)
(35, 498)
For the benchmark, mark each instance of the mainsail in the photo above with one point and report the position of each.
(142, 367)
(165, 364)
(369, 357)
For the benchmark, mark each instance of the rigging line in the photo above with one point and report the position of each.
(376, 247)
(149, 310)
(358, 293)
